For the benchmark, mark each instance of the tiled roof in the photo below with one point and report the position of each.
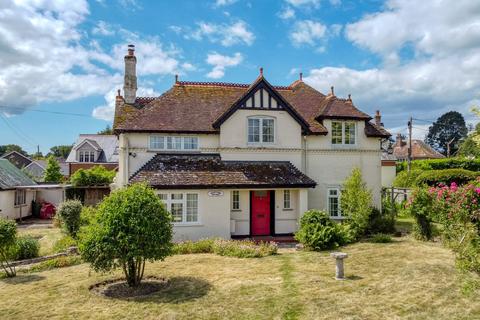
(11, 176)
(193, 107)
(107, 143)
(374, 130)
(420, 150)
(189, 171)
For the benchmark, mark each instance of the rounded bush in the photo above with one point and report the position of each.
(69, 215)
(27, 248)
(447, 176)
(318, 232)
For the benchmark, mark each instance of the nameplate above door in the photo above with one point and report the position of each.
(215, 193)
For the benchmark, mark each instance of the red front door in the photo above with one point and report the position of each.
(260, 213)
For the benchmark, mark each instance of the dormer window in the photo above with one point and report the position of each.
(86, 156)
(343, 133)
(261, 130)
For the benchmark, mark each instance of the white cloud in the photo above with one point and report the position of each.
(335, 3)
(307, 32)
(220, 62)
(131, 5)
(287, 13)
(221, 3)
(103, 28)
(442, 75)
(299, 3)
(43, 57)
(107, 111)
(227, 34)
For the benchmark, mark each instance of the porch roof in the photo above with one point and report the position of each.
(206, 171)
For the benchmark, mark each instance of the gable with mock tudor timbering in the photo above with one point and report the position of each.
(261, 95)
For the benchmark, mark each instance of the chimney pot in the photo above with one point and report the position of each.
(176, 78)
(261, 71)
(131, 50)
(332, 91)
(301, 76)
(378, 118)
(399, 139)
(118, 93)
(349, 97)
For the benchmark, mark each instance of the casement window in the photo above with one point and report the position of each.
(261, 130)
(20, 197)
(86, 156)
(333, 202)
(235, 200)
(343, 133)
(287, 199)
(182, 206)
(173, 143)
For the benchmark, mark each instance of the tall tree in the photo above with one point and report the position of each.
(61, 151)
(4, 149)
(107, 130)
(446, 133)
(52, 171)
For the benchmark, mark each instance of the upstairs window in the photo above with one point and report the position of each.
(86, 156)
(261, 130)
(173, 143)
(343, 133)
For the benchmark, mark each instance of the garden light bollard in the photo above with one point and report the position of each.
(339, 257)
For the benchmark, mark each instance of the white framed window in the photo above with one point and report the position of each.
(20, 197)
(261, 130)
(173, 143)
(92, 156)
(287, 199)
(182, 206)
(80, 157)
(333, 202)
(235, 200)
(344, 132)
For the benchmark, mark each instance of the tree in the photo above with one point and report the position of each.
(96, 176)
(8, 239)
(69, 213)
(131, 227)
(356, 203)
(7, 148)
(61, 151)
(52, 171)
(445, 134)
(107, 130)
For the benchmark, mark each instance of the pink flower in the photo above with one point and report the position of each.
(477, 190)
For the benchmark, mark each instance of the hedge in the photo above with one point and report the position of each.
(447, 176)
(442, 164)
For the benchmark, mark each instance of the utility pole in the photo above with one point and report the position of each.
(448, 147)
(409, 159)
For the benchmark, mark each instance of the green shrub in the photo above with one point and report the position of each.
(95, 176)
(131, 227)
(447, 176)
(406, 179)
(381, 238)
(244, 248)
(381, 222)
(62, 244)
(60, 262)
(8, 237)
(318, 232)
(356, 203)
(189, 247)
(69, 215)
(27, 247)
(88, 215)
(442, 164)
(420, 208)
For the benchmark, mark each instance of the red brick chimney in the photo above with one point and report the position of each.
(130, 80)
(378, 118)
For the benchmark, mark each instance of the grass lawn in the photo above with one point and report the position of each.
(46, 236)
(405, 279)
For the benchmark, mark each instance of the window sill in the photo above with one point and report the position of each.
(338, 218)
(172, 151)
(19, 205)
(288, 209)
(236, 210)
(187, 224)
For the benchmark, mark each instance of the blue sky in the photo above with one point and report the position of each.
(406, 58)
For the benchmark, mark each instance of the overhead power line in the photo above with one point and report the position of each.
(49, 111)
(17, 132)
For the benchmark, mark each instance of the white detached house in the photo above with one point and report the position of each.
(234, 160)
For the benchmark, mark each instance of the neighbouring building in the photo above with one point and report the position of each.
(17, 159)
(420, 150)
(389, 168)
(36, 169)
(236, 160)
(92, 150)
